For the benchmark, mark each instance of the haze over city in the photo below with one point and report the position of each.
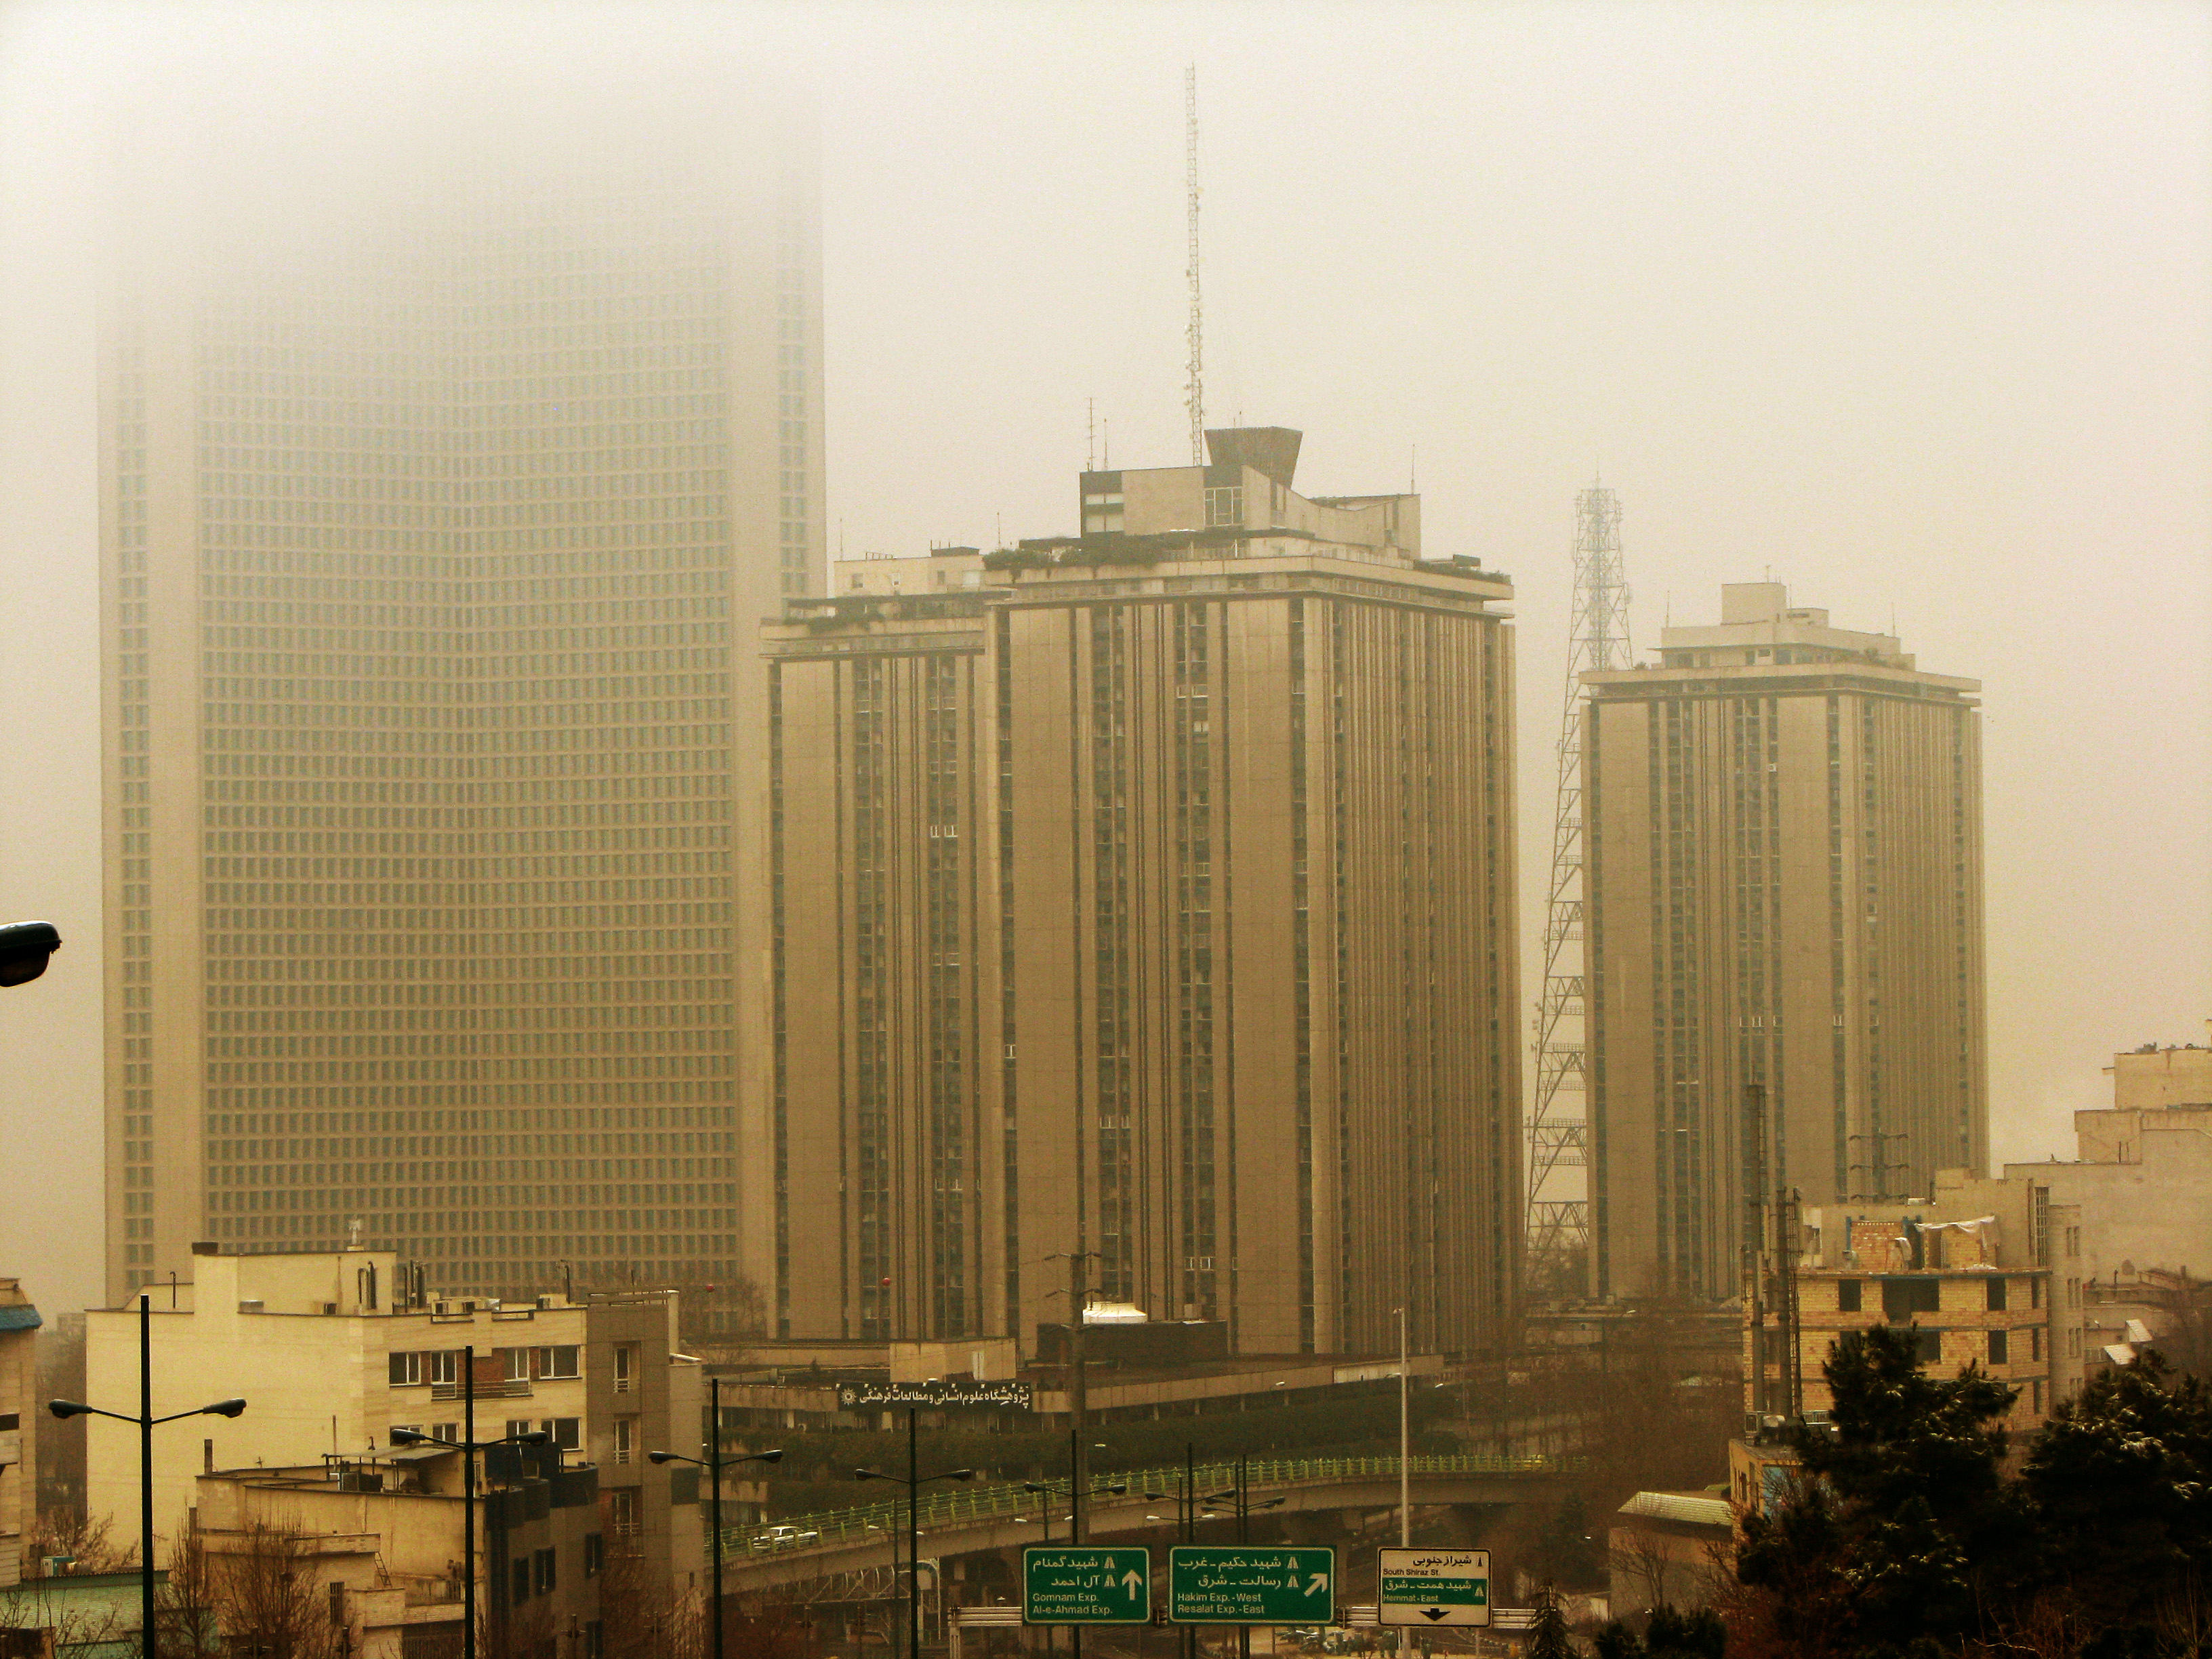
(1908, 309)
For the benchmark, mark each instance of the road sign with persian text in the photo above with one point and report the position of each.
(1432, 1587)
(1251, 1584)
(1078, 1584)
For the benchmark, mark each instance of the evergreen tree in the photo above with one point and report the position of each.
(1903, 1528)
(2122, 1481)
(1566, 1550)
(1669, 1634)
(1547, 1633)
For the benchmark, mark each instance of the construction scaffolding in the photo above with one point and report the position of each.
(1559, 1208)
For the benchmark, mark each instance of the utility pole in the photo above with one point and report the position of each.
(1190, 1530)
(1785, 1300)
(1078, 1465)
(1405, 1441)
(1752, 1243)
(1079, 1455)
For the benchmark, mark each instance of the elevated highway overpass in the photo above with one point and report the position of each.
(844, 1544)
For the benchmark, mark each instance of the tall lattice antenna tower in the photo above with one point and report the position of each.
(1194, 394)
(1597, 639)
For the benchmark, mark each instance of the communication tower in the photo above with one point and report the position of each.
(1558, 1224)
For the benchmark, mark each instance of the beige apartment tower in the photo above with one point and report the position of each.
(1784, 890)
(1149, 892)
(437, 523)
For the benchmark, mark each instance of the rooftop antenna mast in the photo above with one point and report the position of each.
(1558, 1224)
(1194, 396)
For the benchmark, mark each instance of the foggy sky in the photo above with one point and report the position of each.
(1912, 305)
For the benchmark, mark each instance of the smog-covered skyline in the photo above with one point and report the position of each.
(1908, 309)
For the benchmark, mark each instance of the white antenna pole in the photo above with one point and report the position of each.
(1195, 398)
(1091, 435)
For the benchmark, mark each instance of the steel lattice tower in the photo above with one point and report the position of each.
(1597, 640)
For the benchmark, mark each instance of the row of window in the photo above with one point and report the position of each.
(1903, 1297)
(558, 1363)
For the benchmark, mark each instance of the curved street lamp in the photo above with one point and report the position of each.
(714, 1463)
(913, 1482)
(1049, 1487)
(24, 948)
(468, 1445)
(150, 1639)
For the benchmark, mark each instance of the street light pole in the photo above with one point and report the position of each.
(913, 1539)
(714, 1499)
(713, 1463)
(913, 1480)
(1190, 1528)
(468, 1445)
(150, 1636)
(152, 1641)
(469, 1503)
(1405, 1439)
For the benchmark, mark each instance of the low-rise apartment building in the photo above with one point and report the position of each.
(333, 1350)
(375, 1545)
(2140, 1180)
(1967, 1268)
(18, 1426)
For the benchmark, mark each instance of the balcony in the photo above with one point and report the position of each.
(511, 1388)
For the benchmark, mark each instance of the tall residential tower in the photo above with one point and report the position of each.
(440, 503)
(1784, 825)
(1150, 892)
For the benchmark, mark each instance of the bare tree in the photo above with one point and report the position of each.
(773, 1630)
(644, 1616)
(86, 1546)
(267, 1601)
(27, 1609)
(1640, 1559)
(185, 1604)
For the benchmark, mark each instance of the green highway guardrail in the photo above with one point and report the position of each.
(958, 1504)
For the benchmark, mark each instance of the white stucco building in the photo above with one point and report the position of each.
(332, 1350)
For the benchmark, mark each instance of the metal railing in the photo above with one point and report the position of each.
(958, 1506)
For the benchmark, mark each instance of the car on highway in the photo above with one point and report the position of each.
(784, 1538)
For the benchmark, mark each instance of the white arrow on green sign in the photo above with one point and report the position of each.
(1432, 1587)
(1077, 1584)
(1251, 1584)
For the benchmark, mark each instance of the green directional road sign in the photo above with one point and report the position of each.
(1432, 1587)
(1251, 1584)
(1076, 1584)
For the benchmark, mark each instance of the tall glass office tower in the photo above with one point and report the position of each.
(441, 500)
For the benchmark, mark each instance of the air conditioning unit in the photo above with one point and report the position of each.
(545, 1301)
(250, 1304)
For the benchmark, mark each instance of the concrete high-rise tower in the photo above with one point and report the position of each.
(1150, 892)
(1783, 833)
(442, 494)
